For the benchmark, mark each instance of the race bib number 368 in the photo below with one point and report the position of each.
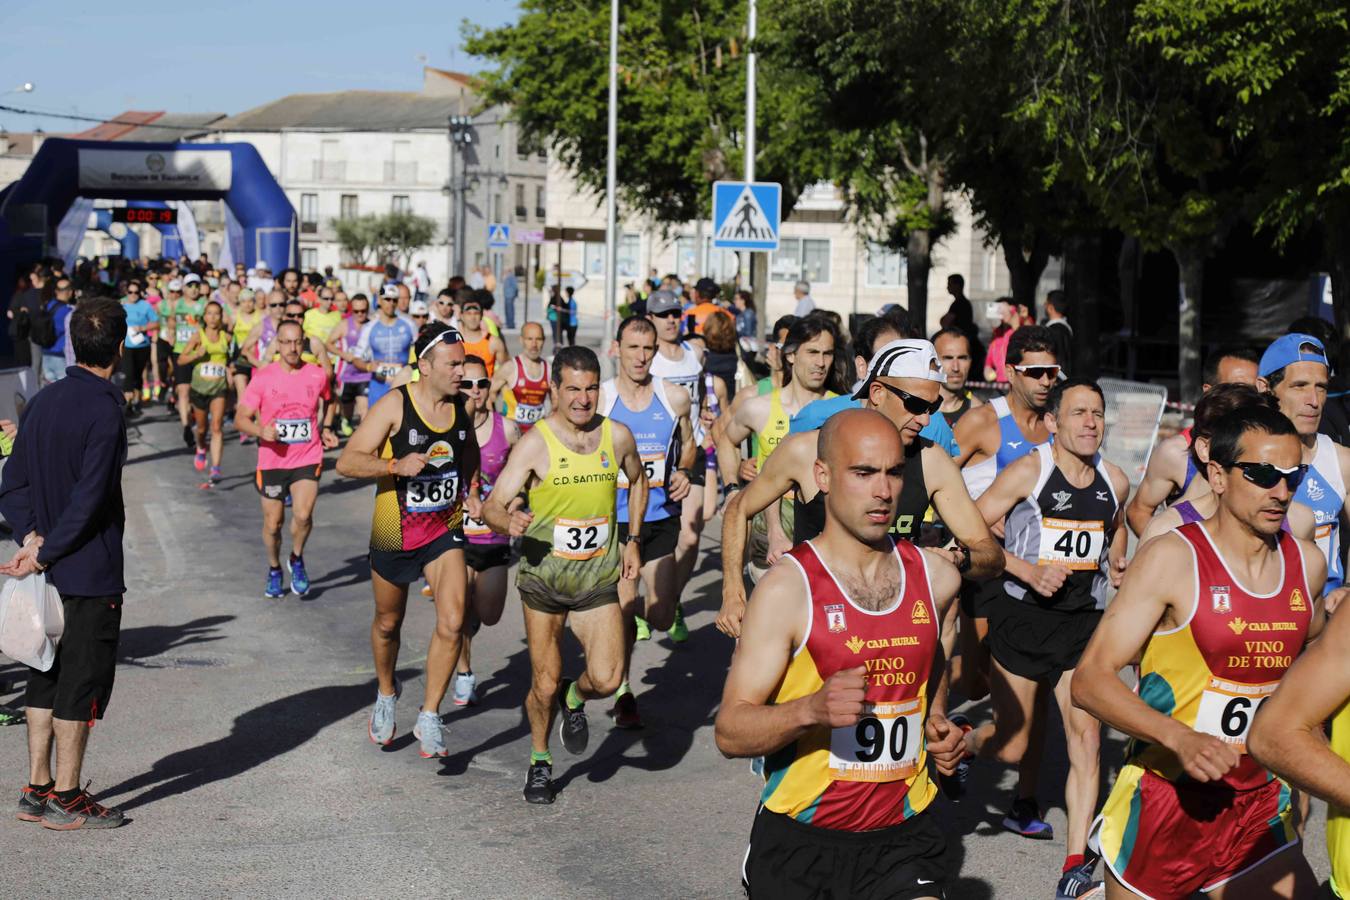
(1227, 709)
(432, 493)
(1072, 544)
(883, 746)
(580, 538)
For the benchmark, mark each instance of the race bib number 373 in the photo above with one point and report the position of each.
(883, 746)
(295, 431)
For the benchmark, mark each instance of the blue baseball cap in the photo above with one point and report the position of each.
(1290, 349)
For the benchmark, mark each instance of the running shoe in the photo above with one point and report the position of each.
(679, 632)
(274, 589)
(539, 783)
(572, 727)
(299, 577)
(644, 631)
(11, 716)
(189, 439)
(1077, 883)
(954, 786)
(430, 731)
(81, 811)
(33, 802)
(427, 592)
(214, 477)
(382, 725)
(466, 689)
(199, 460)
(625, 713)
(145, 394)
(246, 439)
(345, 429)
(1025, 819)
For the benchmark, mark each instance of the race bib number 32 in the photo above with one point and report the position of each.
(295, 431)
(883, 746)
(580, 538)
(1227, 709)
(1072, 544)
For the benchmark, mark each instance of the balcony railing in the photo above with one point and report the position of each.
(330, 170)
(400, 172)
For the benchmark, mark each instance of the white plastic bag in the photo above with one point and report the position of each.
(31, 621)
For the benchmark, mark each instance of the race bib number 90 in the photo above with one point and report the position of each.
(1227, 709)
(295, 431)
(432, 493)
(1071, 544)
(883, 746)
(580, 538)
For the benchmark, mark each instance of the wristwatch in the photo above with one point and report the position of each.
(630, 537)
(964, 565)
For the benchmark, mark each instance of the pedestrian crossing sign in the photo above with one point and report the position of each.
(499, 235)
(746, 215)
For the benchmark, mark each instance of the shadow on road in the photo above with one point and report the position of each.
(259, 735)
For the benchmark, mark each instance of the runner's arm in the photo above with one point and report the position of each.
(191, 351)
(625, 448)
(1287, 735)
(361, 457)
(958, 512)
(1162, 523)
(498, 348)
(1315, 570)
(1011, 487)
(677, 482)
(1119, 542)
(944, 741)
(972, 432)
(500, 380)
(737, 429)
(1159, 481)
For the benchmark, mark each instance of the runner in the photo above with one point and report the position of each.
(354, 381)
(141, 321)
(657, 413)
(443, 309)
(322, 320)
(570, 558)
(185, 318)
(902, 383)
(208, 355)
(384, 346)
(846, 727)
(478, 340)
(282, 408)
(1170, 475)
(247, 316)
(809, 354)
(1066, 538)
(419, 445)
(953, 352)
(522, 382)
(487, 553)
(1215, 613)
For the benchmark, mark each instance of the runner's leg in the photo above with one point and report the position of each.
(303, 495)
(40, 736)
(543, 636)
(600, 631)
(487, 599)
(691, 528)
(1083, 737)
(1006, 738)
(199, 417)
(273, 515)
(217, 424)
(391, 601)
(471, 622)
(447, 580)
(1284, 875)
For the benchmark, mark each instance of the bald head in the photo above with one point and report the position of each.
(860, 461)
(845, 431)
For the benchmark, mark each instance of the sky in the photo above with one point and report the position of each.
(95, 59)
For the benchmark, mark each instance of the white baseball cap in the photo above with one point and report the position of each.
(904, 358)
(193, 278)
(417, 307)
(389, 290)
(175, 285)
(262, 266)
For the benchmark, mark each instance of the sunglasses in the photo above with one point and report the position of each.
(1266, 475)
(420, 316)
(915, 406)
(668, 314)
(469, 384)
(1036, 373)
(387, 299)
(326, 297)
(275, 305)
(468, 309)
(360, 310)
(296, 316)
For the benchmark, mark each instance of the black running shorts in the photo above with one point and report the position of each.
(481, 557)
(406, 566)
(1037, 643)
(77, 686)
(658, 538)
(275, 484)
(788, 859)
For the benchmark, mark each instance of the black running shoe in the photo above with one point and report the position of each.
(572, 727)
(33, 803)
(625, 713)
(81, 812)
(188, 438)
(539, 783)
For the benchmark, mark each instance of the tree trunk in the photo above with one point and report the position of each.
(918, 261)
(1082, 282)
(1025, 268)
(1190, 295)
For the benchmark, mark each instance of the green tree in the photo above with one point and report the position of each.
(398, 235)
(357, 238)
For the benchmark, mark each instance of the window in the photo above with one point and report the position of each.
(521, 211)
(402, 203)
(799, 259)
(630, 250)
(593, 259)
(718, 264)
(309, 213)
(347, 207)
(309, 259)
(328, 167)
(539, 203)
(885, 267)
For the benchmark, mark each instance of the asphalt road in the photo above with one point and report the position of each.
(236, 740)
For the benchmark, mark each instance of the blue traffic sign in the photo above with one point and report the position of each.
(499, 235)
(746, 215)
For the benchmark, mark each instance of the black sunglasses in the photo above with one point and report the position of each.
(360, 310)
(294, 316)
(275, 305)
(469, 384)
(1266, 475)
(668, 314)
(915, 406)
(1036, 373)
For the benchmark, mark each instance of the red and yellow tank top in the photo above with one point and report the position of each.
(873, 774)
(1213, 671)
(527, 399)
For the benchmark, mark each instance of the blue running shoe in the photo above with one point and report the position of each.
(1025, 819)
(1078, 883)
(430, 730)
(299, 578)
(274, 589)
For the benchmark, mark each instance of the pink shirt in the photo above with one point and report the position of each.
(288, 400)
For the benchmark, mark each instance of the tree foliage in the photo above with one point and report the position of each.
(392, 237)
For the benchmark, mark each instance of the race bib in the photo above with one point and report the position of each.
(580, 538)
(475, 527)
(211, 370)
(386, 371)
(432, 493)
(1322, 537)
(883, 746)
(1227, 709)
(294, 431)
(184, 334)
(1072, 544)
(136, 338)
(528, 415)
(655, 466)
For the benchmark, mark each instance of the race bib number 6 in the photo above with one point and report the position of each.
(294, 431)
(1227, 709)
(432, 493)
(580, 538)
(883, 746)
(1072, 544)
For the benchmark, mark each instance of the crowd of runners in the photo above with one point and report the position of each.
(894, 548)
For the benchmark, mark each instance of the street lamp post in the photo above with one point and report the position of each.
(461, 133)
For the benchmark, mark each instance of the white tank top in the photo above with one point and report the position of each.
(685, 372)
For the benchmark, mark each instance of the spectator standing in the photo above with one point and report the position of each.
(59, 307)
(421, 279)
(510, 291)
(1009, 321)
(747, 323)
(23, 308)
(557, 314)
(569, 317)
(61, 493)
(802, 292)
(1061, 332)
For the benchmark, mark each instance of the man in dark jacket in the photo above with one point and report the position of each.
(23, 307)
(61, 493)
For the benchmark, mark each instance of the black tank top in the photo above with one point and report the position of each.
(810, 516)
(955, 415)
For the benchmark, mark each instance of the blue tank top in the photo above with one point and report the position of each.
(1013, 444)
(388, 344)
(654, 431)
(1323, 491)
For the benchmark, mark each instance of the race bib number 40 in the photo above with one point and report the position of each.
(1227, 709)
(883, 746)
(432, 493)
(295, 431)
(1071, 544)
(580, 538)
